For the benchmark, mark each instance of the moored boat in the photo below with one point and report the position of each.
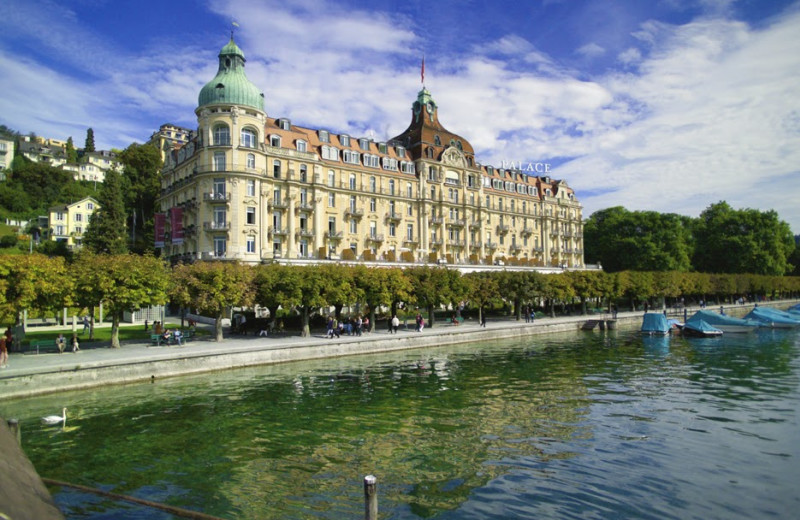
(700, 328)
(725, 323)
(655, 323)
(773, 318)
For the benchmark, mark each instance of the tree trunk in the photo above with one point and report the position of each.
(583, 306)
(372, 318)
(517, 309)
(337, 310)
(115, 330)
(430, 316)
(306, 331)
(91, 323)
(552, 308)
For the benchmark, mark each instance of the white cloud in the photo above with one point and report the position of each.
(591, 50)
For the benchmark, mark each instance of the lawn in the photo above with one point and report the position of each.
(101, 334)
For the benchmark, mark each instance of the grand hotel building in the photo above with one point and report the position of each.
(254, 188)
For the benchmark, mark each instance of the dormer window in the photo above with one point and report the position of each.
(284, 124)
(324, 136)
(344, 140)
(382, 148)
(401, 152)
(437, 141)
(275, 140)
(363, 143)
(302, 146)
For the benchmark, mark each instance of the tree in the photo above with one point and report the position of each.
(33, 282)
(89, 146)
(434, 286)
(72, 153)
(381, 287)
(274, 286)
(124, 283)
(106, 232)
(211, 288)
(640, 240)
(141, 167)
(483, 288)
(743, 241)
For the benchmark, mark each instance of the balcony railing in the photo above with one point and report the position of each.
(216, 226)
(491, 245)
(375, 238)
(456, 243)
(277, 204)
(527, 231)
(354, 213)
(333, 235)
(458, 223)
(217, 197)
(279, 231)
(304, 233)
(437, 220)
(394, 217)
(502, 228)
(475, 224)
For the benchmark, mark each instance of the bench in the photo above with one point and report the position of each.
(156, 339)
(43, 345)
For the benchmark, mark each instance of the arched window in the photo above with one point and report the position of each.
(437, 141)
(248, 138)
(251, 160)
(222, 135)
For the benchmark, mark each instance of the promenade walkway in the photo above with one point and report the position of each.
(96, 364)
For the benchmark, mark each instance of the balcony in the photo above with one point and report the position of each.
(410, 242)
(216, 197)
(277, 204)
(475, 224)
(491, 245)
(304, 233)
(304, 206)
(503, 228)
(216, 226)
(458, 223)
(475, 245)
(437, 220)
(190, 231)
(527, 231)
(539, 249)
(394, 217)
(375, 238)
(333, 235)
(456, 243)
(279, 231)
(353, 213)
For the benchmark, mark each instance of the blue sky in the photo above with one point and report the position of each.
(665, 105)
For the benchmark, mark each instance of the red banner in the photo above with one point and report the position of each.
(159, 221)
(176, 223)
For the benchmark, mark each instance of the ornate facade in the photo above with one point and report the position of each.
(255, 188)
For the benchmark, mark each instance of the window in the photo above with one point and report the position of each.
(219, 161)
(220, 246)
(401, 152)
(363, 143)
(220, 217)
(303, 173)
(276, 247)
(222, 135)
(303, 196)
(352, 202)
(276, 196)
(275, 140)
(284, 124)
(78, 217)
(409, 190)
(247, 138)
(251, 161)
(373, 185)
(512, 205)
(331, 225)
(89, 206)
(410, 232)
(407, 167)
(276, 220)
(251, 215)
(410, 210)
(78, 229)
(389, 164)
(250, 188)
(331, 200)
(324, 136)
(304, 249)
(59, 216)
(350, 157)
(276, 169)
(372, 161)
(59, 230)
(219, 187)
(330, 153)
(302, 146)
(353, 226)
(331, 178)
(373, 229)
(373, 202)
(391, 229)
(344, 140)
(251, 244)
(352, 182)
(437, 140)
(391, 186)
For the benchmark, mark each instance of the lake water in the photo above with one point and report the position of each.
(583, 425)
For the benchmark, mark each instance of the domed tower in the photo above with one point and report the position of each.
(426, 138)
(230, 86)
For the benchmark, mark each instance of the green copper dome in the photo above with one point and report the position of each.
(230, 85)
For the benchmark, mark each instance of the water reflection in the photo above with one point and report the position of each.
(573, 425)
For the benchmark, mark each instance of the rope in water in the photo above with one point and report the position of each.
(184, 513)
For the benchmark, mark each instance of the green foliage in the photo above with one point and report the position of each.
(742, 241)
(141, 167)
(212, 287)
(640, 240)
(89, 146)
(72, 153)
(106, 233)
(33, 282)
(38, 187)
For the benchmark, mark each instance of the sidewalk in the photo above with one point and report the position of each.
(31, 374)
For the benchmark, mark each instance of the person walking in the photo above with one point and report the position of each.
(85, 325)
(75, 345)
(395, 323)
(3, 352)
(483, 318)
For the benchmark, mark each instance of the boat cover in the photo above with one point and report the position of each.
(655, 323)
(702, 327)
(765, 315)
(713, 318)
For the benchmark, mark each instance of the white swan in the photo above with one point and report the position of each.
(54, 419)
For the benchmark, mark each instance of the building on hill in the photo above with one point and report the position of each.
(42, 152)
(93, 166)
(256, 188)
(170, 137)
(6, 156)
(68, 222)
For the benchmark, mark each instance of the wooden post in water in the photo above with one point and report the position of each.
(370, 498)
(13, 425)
